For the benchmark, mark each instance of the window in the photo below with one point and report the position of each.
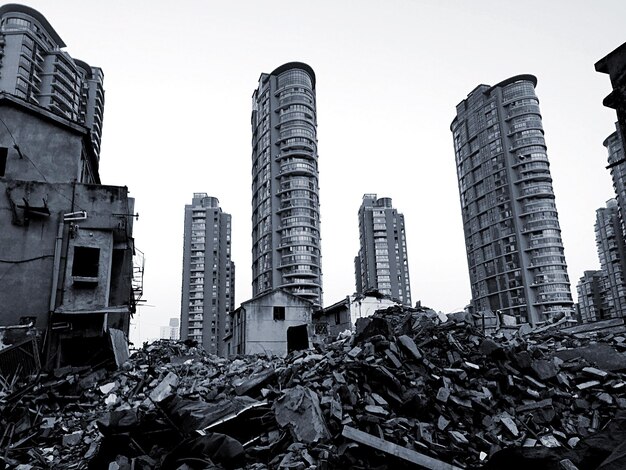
(279, 313)
(86, 261)
(3, 160)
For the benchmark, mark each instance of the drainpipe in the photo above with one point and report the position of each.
(56, 266)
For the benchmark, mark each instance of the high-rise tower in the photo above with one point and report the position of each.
(382, 262)
(35, 68)
(612, 253)
(208, 290)
(592, 304)
(512, 234)
(285, 191)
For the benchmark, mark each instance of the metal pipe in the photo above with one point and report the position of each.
(56, 265)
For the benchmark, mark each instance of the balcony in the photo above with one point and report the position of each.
(525, 109)
(298, 169)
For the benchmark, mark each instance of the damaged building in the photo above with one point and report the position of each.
(271, 323)
(66, 247)
(343, 315)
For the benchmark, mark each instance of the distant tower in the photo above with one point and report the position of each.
(612, 252)
(208, 274)
(285, 184)
(591, 297)
(172, 331)
(34, 68)
(382, 262)
(512, 235)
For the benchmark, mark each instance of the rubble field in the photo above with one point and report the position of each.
(403, 391)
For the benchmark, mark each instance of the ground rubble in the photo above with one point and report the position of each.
(403, 391)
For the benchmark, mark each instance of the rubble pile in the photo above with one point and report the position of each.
(404, 391)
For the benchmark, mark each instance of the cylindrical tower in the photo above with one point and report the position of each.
(285, 191)
(512, 234)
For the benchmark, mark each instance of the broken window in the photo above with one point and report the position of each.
(279, 313)
(86, 261)
(3, 160)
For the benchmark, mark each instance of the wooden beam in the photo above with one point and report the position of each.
(394, 449)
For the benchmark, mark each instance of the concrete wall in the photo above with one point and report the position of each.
(48, 149)
(367, 306)
(28, 247)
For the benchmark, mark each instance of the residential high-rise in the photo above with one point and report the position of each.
(512, 234)
(614, 64)
(591, 297)
(208, 288)
(35, 68)
(617, 167)
(285, 189)
(172, 331)
(612, 252)
(382, 262)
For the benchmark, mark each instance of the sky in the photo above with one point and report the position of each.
(179, 78)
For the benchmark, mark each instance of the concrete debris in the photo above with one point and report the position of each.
(405, 390)
(299, 409)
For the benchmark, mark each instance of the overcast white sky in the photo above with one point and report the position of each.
(179, 77)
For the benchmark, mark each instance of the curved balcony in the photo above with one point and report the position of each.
(292, 185)
(524, 109)
(303, 99)
(298, 169)
(300, 143)
(522, 142)
(545, 192)
(287, 242)
(298, 282)
(298, 153)
(290, 262)
(543, 176)
(299, 271)
(524, 126)
(295, 116)
(312, 223)
(525, 161)
(540, 225)
(547, 242)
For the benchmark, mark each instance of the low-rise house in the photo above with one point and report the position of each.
(275, 323)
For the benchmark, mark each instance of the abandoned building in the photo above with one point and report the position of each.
(66, 247)
(275, 323)
(343, 315)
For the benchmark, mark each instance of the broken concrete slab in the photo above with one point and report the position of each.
(299, 410)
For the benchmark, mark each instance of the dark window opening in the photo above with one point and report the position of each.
(297, 338)
(3, 160)
(337, 318)
(86, 261)
(119, 291)
(279, 313)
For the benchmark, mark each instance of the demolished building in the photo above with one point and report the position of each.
(405, 391)
(66, 247)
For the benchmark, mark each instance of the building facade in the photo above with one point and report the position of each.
(591, 297)
(172, 331)
(66, 244)
(513, 239)
(274, 322)
(285, 184)
(382, 262)
(617, 167)
(35, 68)
(208, 284)
(612, 252)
